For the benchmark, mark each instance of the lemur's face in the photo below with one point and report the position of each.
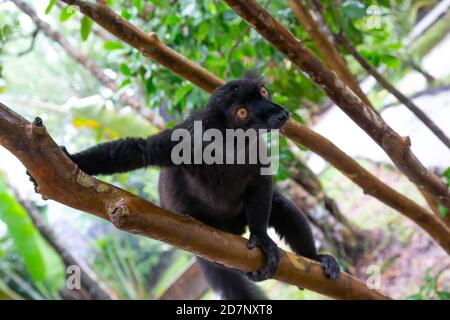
(248, 105)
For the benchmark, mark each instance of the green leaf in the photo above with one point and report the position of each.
(5, 32)
(113, 45)
(86, 25)
(125, 70)
(385, 3)
(353, 9)
(446, 175)
(41, 261)
(443, 295)
(355, 36)
(125, 14)
(50, 6)
(203, 31)
(138, 5)
(182, 92)
(149, 86)
(443, 211)
(390, 61)
(67, 13)
(124, 83)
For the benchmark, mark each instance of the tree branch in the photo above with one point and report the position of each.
(60, 179)
(369, 183)
(32, 42)
(434, 90)
(396, 147)
(332, 56)
(389, 87)
(150, 46)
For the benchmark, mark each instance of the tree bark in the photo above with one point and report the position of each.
(60, 179)
(90, 65)
(389, 87)
(151, 47)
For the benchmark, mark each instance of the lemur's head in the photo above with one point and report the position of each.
(247, 103)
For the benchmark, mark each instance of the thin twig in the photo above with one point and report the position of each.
(389, 87)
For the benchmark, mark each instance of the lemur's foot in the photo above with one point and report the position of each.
(330, 266)
(270, 249)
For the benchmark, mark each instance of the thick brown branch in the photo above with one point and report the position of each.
(331, 55)
(206, 80)
(90, 65)
(397, 147)
(389, 87)
(60, 179)
(148, 44)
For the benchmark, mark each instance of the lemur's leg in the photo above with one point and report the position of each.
(291, 224)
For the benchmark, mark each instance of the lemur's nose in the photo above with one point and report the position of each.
(283, 115)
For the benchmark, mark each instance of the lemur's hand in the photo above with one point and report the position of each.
(31, 177)
(270, 249)
(330, 266)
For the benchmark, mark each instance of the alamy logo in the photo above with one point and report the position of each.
(236, 146)
(73, 281)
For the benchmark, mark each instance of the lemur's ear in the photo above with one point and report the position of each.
(254, 75)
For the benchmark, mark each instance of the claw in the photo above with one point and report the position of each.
(330, 266)
(38, 122)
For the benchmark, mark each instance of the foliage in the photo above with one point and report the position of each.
(7, 26)
(126, 263)
(42, 263)
(442, 210)
(429, 289)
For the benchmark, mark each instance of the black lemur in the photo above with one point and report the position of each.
(226, 196)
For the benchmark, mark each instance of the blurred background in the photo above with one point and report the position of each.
(81, 81)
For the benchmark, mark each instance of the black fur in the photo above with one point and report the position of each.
(227, 197)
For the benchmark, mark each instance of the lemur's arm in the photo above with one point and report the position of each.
(126, 154)
(258, 202)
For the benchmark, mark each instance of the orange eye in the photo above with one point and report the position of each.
(264, 92)
(242, 113)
